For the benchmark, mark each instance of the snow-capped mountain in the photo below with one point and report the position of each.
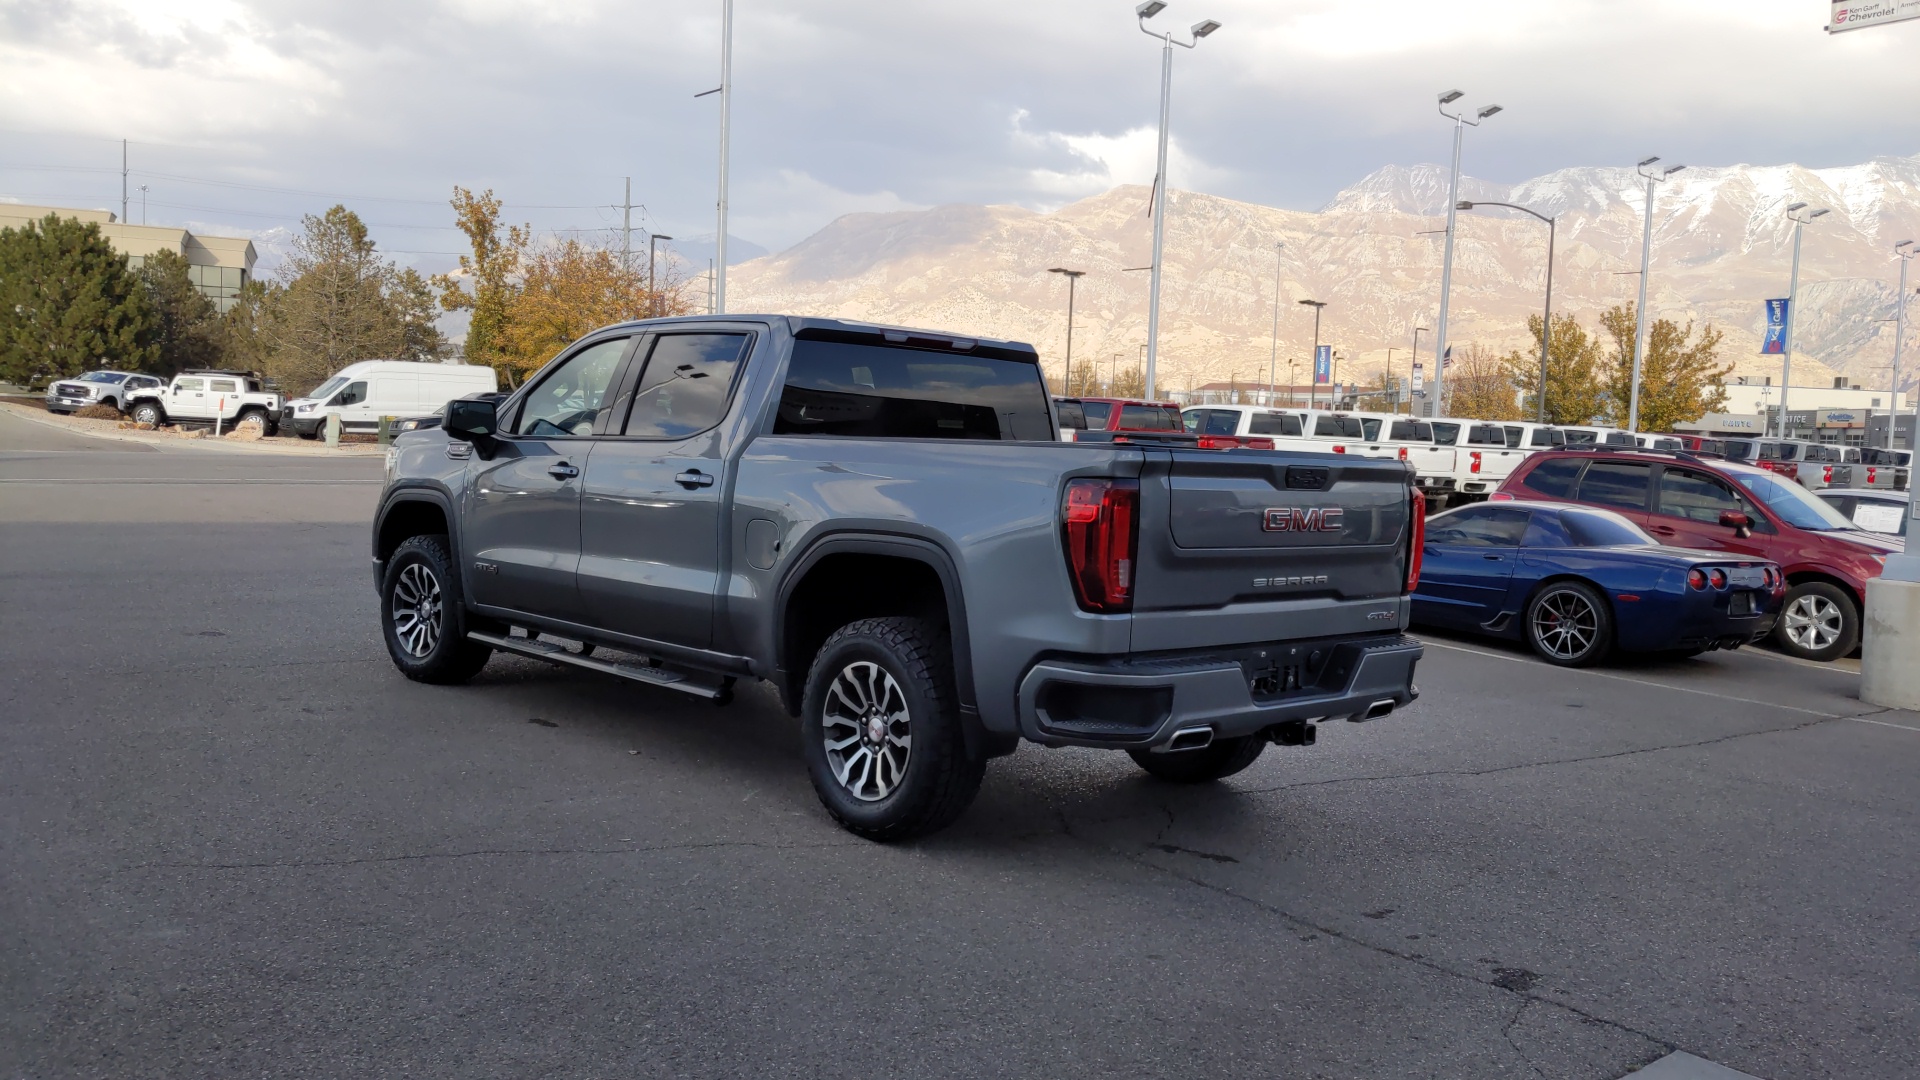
(1722, 244)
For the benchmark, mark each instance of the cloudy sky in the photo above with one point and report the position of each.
(243, 115)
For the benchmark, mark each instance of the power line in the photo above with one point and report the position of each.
(179, 178)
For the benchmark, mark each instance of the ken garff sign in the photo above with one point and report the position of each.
(1855, 14)
(1776, 339)
(1323, 364)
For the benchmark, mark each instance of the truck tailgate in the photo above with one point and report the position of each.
(1271, 545)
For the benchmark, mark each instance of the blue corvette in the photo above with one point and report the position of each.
(1576, 583)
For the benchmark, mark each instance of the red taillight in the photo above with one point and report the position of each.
(1339, 449)
(1718, 577)
(1826, 474)
(1100, 523)
(1502, 496)
(1417, 508)
(1218, 442)
(1403, 453)
(1257, 444)
(1697, 579)
(1475, 466)
(1788, 469)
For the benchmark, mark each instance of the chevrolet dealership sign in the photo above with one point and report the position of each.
(1847, 15)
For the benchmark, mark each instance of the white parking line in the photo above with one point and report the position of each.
(1668, 686)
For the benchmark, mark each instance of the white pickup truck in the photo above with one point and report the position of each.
(1362, 434)
(224, 398)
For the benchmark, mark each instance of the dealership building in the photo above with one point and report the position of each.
(1841, 413)
(218, 266)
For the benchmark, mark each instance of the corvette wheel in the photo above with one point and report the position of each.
(1568, 624)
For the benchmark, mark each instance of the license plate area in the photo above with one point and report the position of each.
(1740, 603)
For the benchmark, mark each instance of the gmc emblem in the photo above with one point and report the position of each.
(1294, 519)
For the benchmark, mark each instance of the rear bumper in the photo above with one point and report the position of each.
(1142, 701)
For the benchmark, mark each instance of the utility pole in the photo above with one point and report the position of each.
(1073, 277)
(1903, 250)
(1313, 376)
(123, 181)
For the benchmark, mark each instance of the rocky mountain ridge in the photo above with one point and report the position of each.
(1722, 245)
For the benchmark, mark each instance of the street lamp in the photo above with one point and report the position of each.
(1793, 306)
(1640, 311)
(653, 295)
(1145, 11)
(1546, 320)
(1314, 385)
(1460, 125)
(1273, 361)
(1073, 276)
(1904, 252)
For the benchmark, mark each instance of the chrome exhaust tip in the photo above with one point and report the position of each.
(1193, 738)
(1374, 711)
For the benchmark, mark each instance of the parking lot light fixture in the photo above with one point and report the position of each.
(1546, 319)
(1794, 214)
(1073, 276)
(1167, 41)
(1313, 372)
(1460, 125)
(1652, 177)
(1904, 252)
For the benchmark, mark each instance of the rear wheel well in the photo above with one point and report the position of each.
(407, 519)
(845, 587)
(1613, 604)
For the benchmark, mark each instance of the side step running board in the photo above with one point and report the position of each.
(720, 690)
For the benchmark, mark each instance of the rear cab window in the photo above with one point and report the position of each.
(866, 389)
(1071, 415)
(1150, 418)
(1338, 427)
(1098, 413)
(1274, 423)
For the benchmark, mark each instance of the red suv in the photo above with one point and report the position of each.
(1117, 414)
(1690, 501)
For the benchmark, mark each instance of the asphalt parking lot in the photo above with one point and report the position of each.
(237, 843)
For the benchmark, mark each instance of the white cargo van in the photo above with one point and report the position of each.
(360, 394)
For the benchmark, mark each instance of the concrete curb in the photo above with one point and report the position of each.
(89, 429)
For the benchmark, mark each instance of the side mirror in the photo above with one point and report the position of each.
(471, 421)
(1741, 524)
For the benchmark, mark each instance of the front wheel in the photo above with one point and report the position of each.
(420, 615)
(1818, 621)
(149, 413)
(1569, 624)
(880, 730)
(1215, 761)
(254, 421)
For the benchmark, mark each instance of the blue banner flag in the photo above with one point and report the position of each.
(1323, 364)
(1777, 316)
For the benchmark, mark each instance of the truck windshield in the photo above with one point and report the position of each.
(884, 391)
(329, 386)
(102, 377)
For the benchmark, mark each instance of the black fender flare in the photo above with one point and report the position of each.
(416, 493)
(945, 567)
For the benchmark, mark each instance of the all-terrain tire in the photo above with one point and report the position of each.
(1818, 621)
(874, 683)
(421, 618)
(149, 412)
(1217, 761)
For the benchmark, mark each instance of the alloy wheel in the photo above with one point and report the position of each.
(416, 610)
(1814, 622)
(865, 728)
(1565, 624)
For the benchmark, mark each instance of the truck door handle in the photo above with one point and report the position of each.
(1663, 530)
(563, 471)
(693, 478)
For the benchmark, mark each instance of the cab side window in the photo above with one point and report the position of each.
(569, 399)
(686, 386)
(1616, 484)
(353, 394)
(224, 386)
(189, 385)
(1479, 527)
(1220, 422)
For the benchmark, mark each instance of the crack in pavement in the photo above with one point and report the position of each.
(1507, 1034)
(298, 864)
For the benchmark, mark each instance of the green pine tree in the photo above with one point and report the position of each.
(68, 303)
(187, 327)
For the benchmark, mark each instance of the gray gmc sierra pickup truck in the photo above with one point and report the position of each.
(883, 523)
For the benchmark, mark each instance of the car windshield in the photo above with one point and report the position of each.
(1598, 528)
(1794, 504)
(329, 386)
(103, 376)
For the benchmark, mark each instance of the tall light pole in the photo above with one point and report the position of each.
(1145, 11)
(1313, 376)
(1904, 252)
(1273, 360)
(653, 294)
(1293, 380)
(1073, 277)
(1793, 307)
(725, 90)
(1413, 363)
(1640, 310)
(1546, 319)
(1460, 126)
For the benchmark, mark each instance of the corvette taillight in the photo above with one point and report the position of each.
(1696, 579)
(1416, 553)
(1718, 577)
(1100, 526)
